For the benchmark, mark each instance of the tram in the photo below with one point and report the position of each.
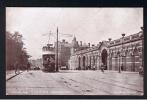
(48, 58)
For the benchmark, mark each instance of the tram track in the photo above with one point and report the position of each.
(102, 82)
(65, 84)
(112, 79)
(80, 83)
(83, 87)
(114, 84)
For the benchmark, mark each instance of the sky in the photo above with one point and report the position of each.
(87, 24)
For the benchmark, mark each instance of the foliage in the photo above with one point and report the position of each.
(15, 51)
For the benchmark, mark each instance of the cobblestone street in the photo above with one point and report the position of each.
(73, 82)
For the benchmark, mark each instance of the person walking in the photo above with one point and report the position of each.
(141, 70)
(102, 68)
(28, 66)
(16, 67)
(122, 67)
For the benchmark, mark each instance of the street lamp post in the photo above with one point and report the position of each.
(123, 35)
(109, 51)
(142, 28)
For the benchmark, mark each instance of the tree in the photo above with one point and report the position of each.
(15, 51)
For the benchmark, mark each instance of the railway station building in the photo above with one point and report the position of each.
(125, 52)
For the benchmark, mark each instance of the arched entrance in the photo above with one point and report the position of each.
(84, 62)
(135, 66)
(79, 67)
(104, 58)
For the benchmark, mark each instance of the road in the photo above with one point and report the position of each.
(75, 83)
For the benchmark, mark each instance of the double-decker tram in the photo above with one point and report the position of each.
(48, 58)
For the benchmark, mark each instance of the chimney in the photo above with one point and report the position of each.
(89, 45)
(80, 43)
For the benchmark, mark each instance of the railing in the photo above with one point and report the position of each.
(126, 39)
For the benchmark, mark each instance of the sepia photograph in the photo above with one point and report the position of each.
(74, 51)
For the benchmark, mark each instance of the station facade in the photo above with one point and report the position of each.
(125, 53)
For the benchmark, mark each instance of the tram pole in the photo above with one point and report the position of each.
(57, 52)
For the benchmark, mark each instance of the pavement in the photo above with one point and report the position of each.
(75, 82)
(11, 74)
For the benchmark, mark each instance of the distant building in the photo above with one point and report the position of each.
(75, 46)
(125, 53)
(63, 52)
(36, 63)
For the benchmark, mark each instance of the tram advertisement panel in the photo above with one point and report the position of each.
(49, 62)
